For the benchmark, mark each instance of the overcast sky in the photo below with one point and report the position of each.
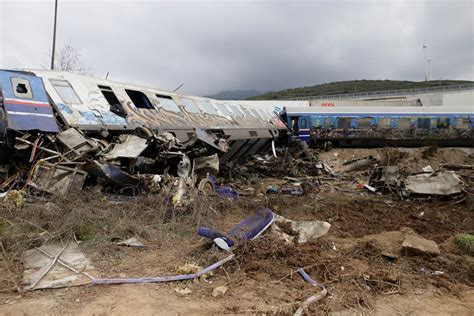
(211, 46)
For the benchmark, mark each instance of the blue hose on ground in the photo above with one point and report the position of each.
(312, 298)
(165, 278)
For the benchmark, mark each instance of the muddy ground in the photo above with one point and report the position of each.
(359, 260)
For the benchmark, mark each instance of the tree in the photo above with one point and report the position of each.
(69, 58)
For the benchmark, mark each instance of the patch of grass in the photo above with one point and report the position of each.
(466, 243)
(98, 222)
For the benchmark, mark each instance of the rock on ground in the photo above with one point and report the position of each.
(413, 245)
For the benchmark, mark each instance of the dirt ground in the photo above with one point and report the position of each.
(359, 260)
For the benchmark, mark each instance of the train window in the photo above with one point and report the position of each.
(21, 88)
(303, 122)
(190, 106)
(384, 122)
(293, 123)
(208, 108)
(314, 122)
(462, 122)
(139, 99)
(344, 122)
(365, 122)
(223, 108)
(236, 110)
(264, 115)
(65, 91)
(115, 105)
(327, 122)
(256, 114)
(443, 122)
(404, 123)
(247, 112)
(424, 122)
(168, 103)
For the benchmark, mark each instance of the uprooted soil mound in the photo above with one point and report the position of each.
(354, 275)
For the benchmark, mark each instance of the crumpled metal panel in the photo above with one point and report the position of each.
(56, 179)
(76, 141)
(43, 271)
(111, 173)
(442, 183)
(131, 147)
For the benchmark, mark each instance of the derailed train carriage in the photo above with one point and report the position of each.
(374, 126)
(60, 108)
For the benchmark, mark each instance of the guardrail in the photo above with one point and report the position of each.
(386, 93)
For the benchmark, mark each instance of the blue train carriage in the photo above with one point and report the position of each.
(378, 126)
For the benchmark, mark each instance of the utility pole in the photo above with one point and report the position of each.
(54, 33)
(430, 75)
(426, 61)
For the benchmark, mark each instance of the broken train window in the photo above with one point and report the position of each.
(256, 114)
(424, 122)
(139, 99)
(443, 122)
(207, 107)
(115, 105)
(344, 122)
(236, 110)
(303, 123)
(190, 106)
(168, 103)
(223, 108)
(365, 122)
(65, 91)
(462, 122)
(21, 88)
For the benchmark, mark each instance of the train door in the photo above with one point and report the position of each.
(25, 103)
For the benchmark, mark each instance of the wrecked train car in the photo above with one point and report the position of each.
(383, 126)
(117, 131)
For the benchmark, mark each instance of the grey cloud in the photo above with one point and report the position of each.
(262, 45)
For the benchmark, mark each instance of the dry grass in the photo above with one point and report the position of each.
(95, 220)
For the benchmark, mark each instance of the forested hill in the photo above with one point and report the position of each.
(354, 86)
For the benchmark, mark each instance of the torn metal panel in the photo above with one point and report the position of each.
(211, 139)
(206, 165)
(56, 266)
(76, 142)
(443, 183)
(131, 147)
(386, 177)
(110, 173)
(56, 179)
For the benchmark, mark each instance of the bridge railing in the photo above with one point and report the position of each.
(386, 93)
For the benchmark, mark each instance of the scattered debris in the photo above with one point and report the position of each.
(219, 291)
(442, 183)
(247, 229)
(131, 242)
(15, 198)
(413, 245)
(298, 231)
(428, 169)
(56, 266)
(57, 179)
(313, 298)
(359, 163)
(183, 291)
(166, 278)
